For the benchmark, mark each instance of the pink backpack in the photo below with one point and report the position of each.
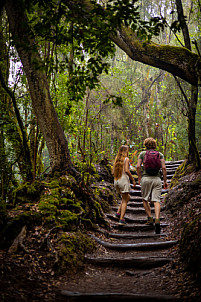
(152, 162)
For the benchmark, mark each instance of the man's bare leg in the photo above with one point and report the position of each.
(157, 208)
(147, 208)
(157, 214)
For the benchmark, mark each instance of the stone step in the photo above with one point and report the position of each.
(169, 176)
(129, 262)
(111, 297)
(176, 162)
(135, 192)
(137, 204)
(136, 227)
(131, 220)
(171, 166)
(136, 198)
(141, 246)
(171, 170)
(133, 203)
(135, 210)
(134, 236)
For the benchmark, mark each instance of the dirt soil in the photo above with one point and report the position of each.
(170, 279)
(28, 277)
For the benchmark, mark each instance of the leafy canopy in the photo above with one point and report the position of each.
(84, 28)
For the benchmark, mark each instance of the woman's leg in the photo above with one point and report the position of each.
(124, 201)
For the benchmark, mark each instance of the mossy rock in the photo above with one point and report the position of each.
(73, 205)
(71, 249)
(184, 169)
(104, 195)
(104, 170)
(14, 226)
(61, 202)
(67, 180)
(68, 220)
(48, 206)
(190, 245)
(27, 192)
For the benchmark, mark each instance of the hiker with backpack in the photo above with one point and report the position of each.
(150, 180)
(122, 177)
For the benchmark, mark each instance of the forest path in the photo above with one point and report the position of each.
(131, 263)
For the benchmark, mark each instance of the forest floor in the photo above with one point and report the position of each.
(24, 277)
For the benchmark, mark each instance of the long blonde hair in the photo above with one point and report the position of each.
(119, 161)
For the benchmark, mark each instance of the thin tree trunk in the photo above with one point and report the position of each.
(182, 20)
(193, 156)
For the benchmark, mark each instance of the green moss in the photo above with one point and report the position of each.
(26, 192)
(67, 192)
(63, 203)
(73, 205)
(182, 170)
(68, 220)
(54, 184)
(67, 180)
(46, 207)
(71, 249)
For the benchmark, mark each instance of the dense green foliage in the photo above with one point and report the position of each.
(103, 98)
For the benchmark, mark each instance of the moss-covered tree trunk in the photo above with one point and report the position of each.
(42, 103)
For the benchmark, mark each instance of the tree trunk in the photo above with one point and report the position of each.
(193, 156)
(39, 90)
(192, 104)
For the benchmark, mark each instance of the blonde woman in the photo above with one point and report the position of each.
(122, 175)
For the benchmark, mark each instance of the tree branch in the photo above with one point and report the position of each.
(179, 61)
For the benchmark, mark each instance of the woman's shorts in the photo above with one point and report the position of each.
(151, 188)
(122, 185)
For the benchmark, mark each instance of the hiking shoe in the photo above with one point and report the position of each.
(150, 221)
(157, 228)
(116, 216)
(122, 222)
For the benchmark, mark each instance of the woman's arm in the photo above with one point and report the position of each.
(127, 171)
(139, 162)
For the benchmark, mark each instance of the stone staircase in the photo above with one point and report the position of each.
(130, 258)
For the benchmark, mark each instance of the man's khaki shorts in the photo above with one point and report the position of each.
(151, 188)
